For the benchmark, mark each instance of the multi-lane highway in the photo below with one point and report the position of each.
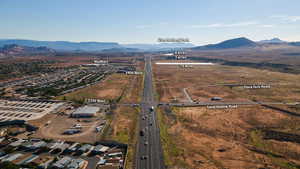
(149, 151)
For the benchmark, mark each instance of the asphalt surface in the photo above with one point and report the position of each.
(199, 104)
(149, 153)
(196, 104)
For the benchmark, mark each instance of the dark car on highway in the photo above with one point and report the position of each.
(142, 133)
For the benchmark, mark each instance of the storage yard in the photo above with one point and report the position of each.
(26, 109)
(83, 124)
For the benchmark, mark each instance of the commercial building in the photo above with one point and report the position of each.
(86, 111)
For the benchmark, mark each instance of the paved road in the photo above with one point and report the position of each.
(149, 145)
(187, 95)
(195, 104)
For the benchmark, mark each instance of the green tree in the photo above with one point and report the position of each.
(8, 165)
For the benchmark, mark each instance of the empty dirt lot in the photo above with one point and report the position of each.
(245, 137)
(204, 82)
(133, 91)
(240, 138)
(111, 88)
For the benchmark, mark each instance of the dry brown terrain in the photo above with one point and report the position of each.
(279, 54)
(59, 123)
(118, 87)
(134, 89)
(230, 138)
(248, 137)
(204, 82)
(111, 88)
(123, 124)
(122, 128)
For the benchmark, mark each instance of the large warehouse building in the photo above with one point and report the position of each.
(86, 111)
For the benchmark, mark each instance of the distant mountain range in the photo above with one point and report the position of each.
(244, 43)
(123, 49)
(63, 45)
(229, 44)
(274, 41)
(160, 46)
(13, 50)
(116, 47)
(93, 46)
(295, 43)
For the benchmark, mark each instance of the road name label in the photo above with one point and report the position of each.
(222, 107)
(257, 86)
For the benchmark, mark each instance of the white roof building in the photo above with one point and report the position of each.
(86, 111)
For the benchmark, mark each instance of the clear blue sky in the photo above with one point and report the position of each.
(141, 21)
